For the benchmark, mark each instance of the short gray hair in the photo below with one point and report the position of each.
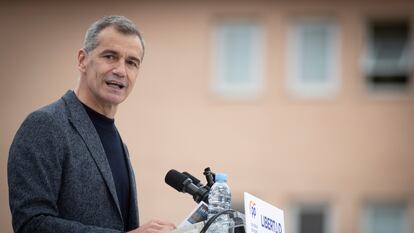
(121, 23)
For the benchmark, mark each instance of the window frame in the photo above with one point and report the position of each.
(252, 88)
(324, 207)
(366, 57)
(295, 84)
(368, 209)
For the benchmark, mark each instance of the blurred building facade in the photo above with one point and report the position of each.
(308, 105)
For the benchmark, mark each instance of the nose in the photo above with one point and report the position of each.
(120, 69)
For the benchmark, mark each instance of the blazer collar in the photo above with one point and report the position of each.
(81, 122)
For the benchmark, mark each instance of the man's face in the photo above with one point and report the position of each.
(109, 72)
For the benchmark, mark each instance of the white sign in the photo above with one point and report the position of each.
(261, 217)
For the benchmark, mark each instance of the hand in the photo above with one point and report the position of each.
(155, 226)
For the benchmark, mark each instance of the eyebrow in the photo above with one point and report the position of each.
(109, 51)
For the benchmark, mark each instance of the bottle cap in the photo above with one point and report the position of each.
(221, 177)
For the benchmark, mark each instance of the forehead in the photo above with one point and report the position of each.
(112, 39)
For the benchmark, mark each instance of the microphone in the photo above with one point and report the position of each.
(183, 183)
(193, 179)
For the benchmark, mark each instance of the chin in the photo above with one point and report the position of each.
(114, 100)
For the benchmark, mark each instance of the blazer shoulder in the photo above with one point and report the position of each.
(53, 112)
(45, 120)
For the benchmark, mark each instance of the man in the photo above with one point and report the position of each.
(68, 169)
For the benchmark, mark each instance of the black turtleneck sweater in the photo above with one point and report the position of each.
(115, 154)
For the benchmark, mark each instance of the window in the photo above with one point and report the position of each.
(387, 60)
(238, 59)
(313, 57)
(385, 218)
(311, 218)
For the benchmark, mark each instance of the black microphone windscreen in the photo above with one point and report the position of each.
(175, 179)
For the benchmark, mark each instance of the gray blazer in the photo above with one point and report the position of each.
(59, 177)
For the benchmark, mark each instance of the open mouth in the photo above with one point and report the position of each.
(115, 84)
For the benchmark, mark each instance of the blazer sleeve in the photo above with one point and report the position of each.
(35, 175)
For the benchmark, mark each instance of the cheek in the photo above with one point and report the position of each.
(99, 76)
(132, 79)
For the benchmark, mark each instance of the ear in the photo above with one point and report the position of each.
(82, 60)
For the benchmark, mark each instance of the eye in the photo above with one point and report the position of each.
(109, 57)
(133, 63)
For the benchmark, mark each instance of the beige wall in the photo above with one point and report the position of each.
(346, 149)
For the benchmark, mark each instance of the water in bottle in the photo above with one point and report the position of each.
(219, 200)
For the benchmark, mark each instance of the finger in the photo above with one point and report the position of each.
(156, 226)
(164, 223)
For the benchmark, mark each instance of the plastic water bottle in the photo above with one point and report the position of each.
(219, 200)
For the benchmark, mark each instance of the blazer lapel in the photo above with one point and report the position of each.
(81, 122)
(133, 207)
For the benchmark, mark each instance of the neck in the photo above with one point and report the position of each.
(90, 101)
